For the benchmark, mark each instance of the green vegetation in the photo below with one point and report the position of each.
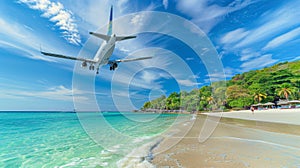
(258, 86)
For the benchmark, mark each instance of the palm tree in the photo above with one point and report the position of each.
(210, 100)
(259, 96)
(285, 90)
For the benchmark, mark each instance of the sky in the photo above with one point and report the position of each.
(239, 35)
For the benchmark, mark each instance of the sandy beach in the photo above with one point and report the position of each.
(269, 139)
(285, 116)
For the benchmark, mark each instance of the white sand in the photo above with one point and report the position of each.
(234, 144)
(285, 116)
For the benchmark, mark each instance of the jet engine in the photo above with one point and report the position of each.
(113, 66)
(84, 64)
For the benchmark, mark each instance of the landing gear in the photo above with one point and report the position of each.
(97, 71)
(92, 67)
(112, 68)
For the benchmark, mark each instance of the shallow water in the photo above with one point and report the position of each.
(32, 139)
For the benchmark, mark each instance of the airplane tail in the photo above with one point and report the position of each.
(109, 31)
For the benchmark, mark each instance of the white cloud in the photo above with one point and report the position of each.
(11, 29)
(258, 62)
(121, 5)
(190, 59)
(229, 72)
(165, 3)
(59, 93)
(272, 23)
(250, 44)
(57, 14)
(26, 52)
(220, 76)
(296, 58)
(94, 14)
(196, 76)
(283, 39)
(150, 76)
(248, 53)
(137, 20)
(20, 37)
(187, 82)
(208, 15)
(54, 9)
(234, 36)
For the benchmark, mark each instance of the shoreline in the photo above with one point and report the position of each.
(234, 143)
(143, 156)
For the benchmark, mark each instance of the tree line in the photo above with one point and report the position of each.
(281, 81)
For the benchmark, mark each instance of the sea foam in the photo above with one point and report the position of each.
(140, 157)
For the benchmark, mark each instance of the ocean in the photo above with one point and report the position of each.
(60, 139)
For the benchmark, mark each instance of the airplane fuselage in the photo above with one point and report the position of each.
(105, 51)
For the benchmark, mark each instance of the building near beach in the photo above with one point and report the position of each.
(283, 104)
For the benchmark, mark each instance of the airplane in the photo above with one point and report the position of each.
(104, 52)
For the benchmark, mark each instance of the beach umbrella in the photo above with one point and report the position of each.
(259, 104)
(294, 102)
(282, 103)
(269, 104)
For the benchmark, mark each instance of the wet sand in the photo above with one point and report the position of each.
(234, 143)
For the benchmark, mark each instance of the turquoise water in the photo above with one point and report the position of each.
(59, 140)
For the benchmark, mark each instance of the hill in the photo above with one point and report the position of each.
(281, 81)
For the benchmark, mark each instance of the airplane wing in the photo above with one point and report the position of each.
(120, 38)
(102, 36)
(133, 59)
(68, 57)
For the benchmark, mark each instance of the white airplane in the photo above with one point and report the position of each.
(104, 52)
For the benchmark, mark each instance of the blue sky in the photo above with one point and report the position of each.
(247, 34)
